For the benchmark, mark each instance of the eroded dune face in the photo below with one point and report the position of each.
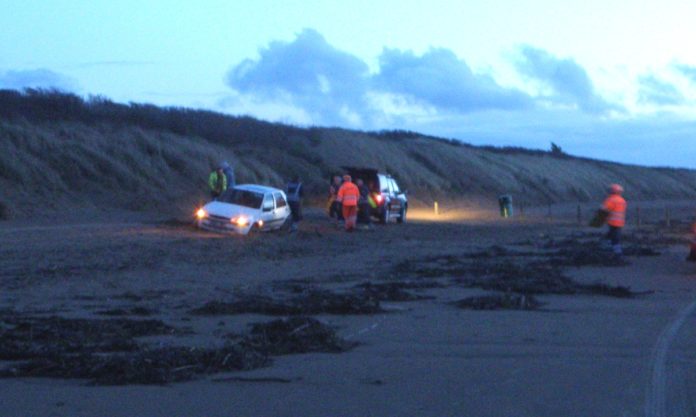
(59, 152)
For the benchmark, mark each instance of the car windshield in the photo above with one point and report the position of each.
(242, 198)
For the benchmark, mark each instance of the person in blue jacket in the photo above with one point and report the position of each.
(229, 174)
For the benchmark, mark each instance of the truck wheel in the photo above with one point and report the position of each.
(402, 216)
(384, 219)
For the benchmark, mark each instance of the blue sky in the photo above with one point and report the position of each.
(606, 79)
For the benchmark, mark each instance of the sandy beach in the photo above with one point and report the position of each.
(559, 330)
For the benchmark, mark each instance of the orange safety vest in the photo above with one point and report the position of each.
(349, 194)
(616, 206)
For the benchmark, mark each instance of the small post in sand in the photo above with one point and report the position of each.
(436, 209)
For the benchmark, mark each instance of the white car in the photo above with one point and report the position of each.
(243, 208)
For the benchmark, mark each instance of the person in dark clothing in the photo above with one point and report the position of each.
(335, 207)
(692, 252)
(229, 174)
(295, 192)
(363, 203)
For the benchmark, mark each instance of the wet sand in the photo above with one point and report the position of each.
(585, 349)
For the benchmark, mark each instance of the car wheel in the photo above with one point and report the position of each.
(254, 229)
(385, 216)
(402, 216)
(287, 224)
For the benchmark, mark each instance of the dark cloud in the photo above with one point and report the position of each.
(442, 80)
(687, 70)
(568, 80)
(314, 74)
(37, 78)
(652, 90)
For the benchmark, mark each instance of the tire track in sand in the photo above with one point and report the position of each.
(656, 396)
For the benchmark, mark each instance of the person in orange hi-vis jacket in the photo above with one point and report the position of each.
(615, 206)
(348, 195)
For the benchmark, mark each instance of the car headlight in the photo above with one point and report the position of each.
(201, 214)
(240, 221)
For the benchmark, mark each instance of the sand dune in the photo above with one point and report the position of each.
(59, 152)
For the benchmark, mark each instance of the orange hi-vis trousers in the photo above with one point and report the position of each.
(350, 214)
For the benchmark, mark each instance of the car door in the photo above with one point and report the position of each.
(281, 211)
(384, 188)
(267, 211)
(394, 201)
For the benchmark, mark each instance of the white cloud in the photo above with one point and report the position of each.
(564, 82)
(307, 81)
(279, 109)
(336, 88)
